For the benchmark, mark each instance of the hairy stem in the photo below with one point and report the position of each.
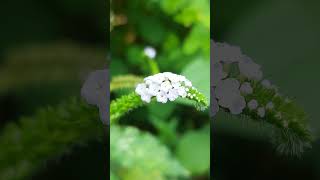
(25, 146)
(120, 106)
(291, 135)
(123, 105)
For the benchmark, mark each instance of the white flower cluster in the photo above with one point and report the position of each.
(164, 86)
(229, 92)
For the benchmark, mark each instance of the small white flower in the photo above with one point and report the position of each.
(246, 88)
(227, 88)
(179, 78)
(148, 82)
(176, 85)
(225, 52)
(228, 95)
(159, 78)
(238, 104)
(141, 89)
(187, 83)
(182, 92)
(250, 69)
(253, 104)
(172, 94)
(146, 98)
(161, 97)
(153, 89)
(150, 52)
(165, 86)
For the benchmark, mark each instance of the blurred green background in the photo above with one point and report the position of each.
(46, 50)
(282, 36)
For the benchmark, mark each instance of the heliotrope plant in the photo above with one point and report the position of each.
(240, 89)
(131, 148)
(161, 88)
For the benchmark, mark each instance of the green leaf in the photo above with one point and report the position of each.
(152, 29)
(113, 177)
(193, 151)
(198, 39)
(135, 155)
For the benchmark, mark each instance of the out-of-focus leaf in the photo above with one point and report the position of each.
(152, 30)
(117, 67)
(198, 39)
(140, 156)
(193, 151)
(49, 63)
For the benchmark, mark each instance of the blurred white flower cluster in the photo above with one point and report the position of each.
(233, 75)
(164, 86)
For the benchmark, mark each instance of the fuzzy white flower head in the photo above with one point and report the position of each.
(246, 88)
(164, 86)
(150, 52)
(253, 104)
(250, 69)
(261, 112)
(228, 95)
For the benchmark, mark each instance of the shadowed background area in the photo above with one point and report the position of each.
(46, 50)
(283, 37)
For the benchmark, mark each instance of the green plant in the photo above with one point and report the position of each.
(167, 39)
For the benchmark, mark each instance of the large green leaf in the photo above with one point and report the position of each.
(195, 142)
(135, 155)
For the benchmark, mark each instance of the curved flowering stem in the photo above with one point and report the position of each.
(123, 105)
(291, 135)
(162, 87)
(124, 81)
(239, 88)
(51, 132)
(201, 102)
